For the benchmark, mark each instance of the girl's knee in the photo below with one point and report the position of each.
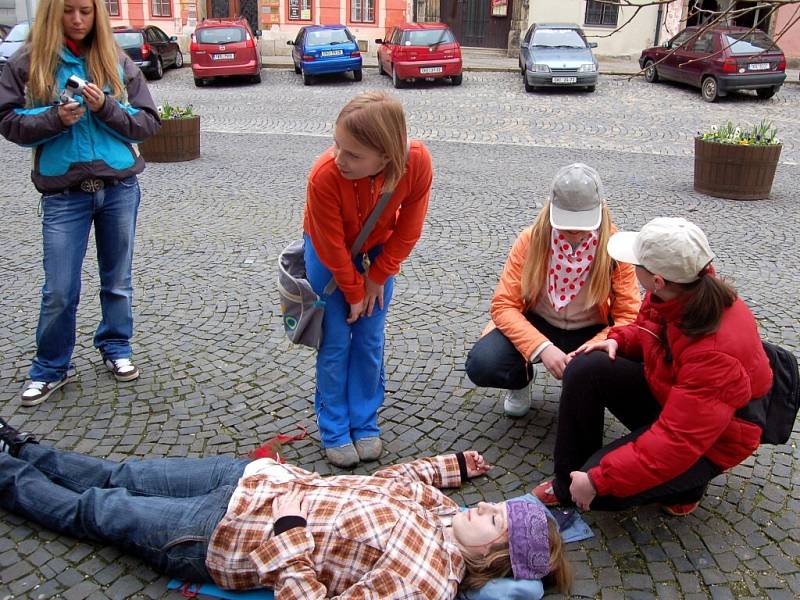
(584, 365)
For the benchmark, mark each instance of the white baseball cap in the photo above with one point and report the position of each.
(576, 198)
(674, 248)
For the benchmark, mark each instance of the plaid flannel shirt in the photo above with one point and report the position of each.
(378, 537)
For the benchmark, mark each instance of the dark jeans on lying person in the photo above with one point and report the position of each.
(592, 383)
(495, 362)
(162, 511)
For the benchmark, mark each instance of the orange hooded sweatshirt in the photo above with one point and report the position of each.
(336, 209)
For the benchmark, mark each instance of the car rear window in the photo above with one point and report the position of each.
(327, 36)
(219, 35)
(19, 33)
(129, 39)
(750, 42)
(558, 38)
(427, 37)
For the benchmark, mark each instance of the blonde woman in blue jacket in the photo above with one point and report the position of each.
(84, 164)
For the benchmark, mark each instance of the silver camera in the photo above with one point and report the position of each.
(74, 86)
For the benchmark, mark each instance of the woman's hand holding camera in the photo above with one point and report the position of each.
(93, 96)
(70, 113)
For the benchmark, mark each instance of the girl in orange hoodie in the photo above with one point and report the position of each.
(559, 289)
(370, 155)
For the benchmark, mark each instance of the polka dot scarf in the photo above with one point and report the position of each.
(569, 267)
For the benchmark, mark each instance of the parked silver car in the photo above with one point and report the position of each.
(13, 42)
(557, 55)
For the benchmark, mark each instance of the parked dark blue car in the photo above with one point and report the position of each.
(324, 49)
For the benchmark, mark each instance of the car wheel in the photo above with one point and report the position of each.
(306, 79)
(297, 69)
(159, 72)
(709, 89)
(398, 83)
(590, 88)
(199, 81)
(457, 79)
(766, 93)
(650, 72)
(357, 75)
(257, 77)
(528, 86)
(178, 59)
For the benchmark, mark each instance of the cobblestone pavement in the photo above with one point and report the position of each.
(219, 378)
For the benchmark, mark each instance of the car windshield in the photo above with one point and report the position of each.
(750, 42)
(427, 37)
(19, 33)
(558, 38)
(128, 39)
(327, 36)
(219, 35)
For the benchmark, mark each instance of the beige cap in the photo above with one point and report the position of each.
(674, 248)
(576, 198)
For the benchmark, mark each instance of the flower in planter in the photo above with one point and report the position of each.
(763, 134)
(167, 111)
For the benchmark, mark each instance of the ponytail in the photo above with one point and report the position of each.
(708, 297)
(560, 575)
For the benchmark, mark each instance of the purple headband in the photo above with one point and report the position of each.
(528, 539)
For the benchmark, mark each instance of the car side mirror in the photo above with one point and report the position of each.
(379, 41)
(257, 33)
(592, 44)
(290, 43)
(173, 38)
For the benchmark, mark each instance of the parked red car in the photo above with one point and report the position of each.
(420, 51)
(718, 60)
(224, 48)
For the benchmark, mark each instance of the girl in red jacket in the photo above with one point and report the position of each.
(370, 155)
(675, 378)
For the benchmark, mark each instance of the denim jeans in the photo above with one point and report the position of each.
(163, 510)
(66, 223)
(350, 377)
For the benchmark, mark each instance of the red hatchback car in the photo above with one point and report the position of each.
(223, 48)
(718, 61)
(420, 51)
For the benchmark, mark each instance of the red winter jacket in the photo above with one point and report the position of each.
(707, 380)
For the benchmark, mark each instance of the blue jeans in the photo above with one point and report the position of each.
(66, 223)
(163, 510)
(350, 377)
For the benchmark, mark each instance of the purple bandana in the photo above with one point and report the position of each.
(528, 539)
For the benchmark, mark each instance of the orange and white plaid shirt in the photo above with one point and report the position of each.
(377, 537)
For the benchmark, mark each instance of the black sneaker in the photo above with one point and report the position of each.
(12, 440)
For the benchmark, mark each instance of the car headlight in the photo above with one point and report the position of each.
(588, 68)
(540, 69)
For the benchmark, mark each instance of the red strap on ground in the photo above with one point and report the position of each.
(188, 592)
(271, 448)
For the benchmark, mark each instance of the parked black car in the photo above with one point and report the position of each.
(150, 48)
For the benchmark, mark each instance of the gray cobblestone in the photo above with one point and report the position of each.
(218, 377)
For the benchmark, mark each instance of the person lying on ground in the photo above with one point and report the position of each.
(245, 524)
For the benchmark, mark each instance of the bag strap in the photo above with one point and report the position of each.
(369, 225)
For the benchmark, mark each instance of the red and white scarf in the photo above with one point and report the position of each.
(569, 267)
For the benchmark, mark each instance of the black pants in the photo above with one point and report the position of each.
(592, 383)
(495, 362)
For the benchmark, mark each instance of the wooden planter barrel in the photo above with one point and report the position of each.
(177, 140)
(734, 171)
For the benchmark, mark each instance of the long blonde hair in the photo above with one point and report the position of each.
(497, 563)
(534, 271)
(47, 40)
(377, 121)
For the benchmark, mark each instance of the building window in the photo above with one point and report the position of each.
(161, 8)
(601, 13)
(362, 11)
(299, 10)
(112, 6)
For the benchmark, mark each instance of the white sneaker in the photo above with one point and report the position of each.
(122, 369)
(517, 403)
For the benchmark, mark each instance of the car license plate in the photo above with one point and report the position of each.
(759, 66)
(227, 56)
(427, 70)
(565, 79)
(331, 53)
